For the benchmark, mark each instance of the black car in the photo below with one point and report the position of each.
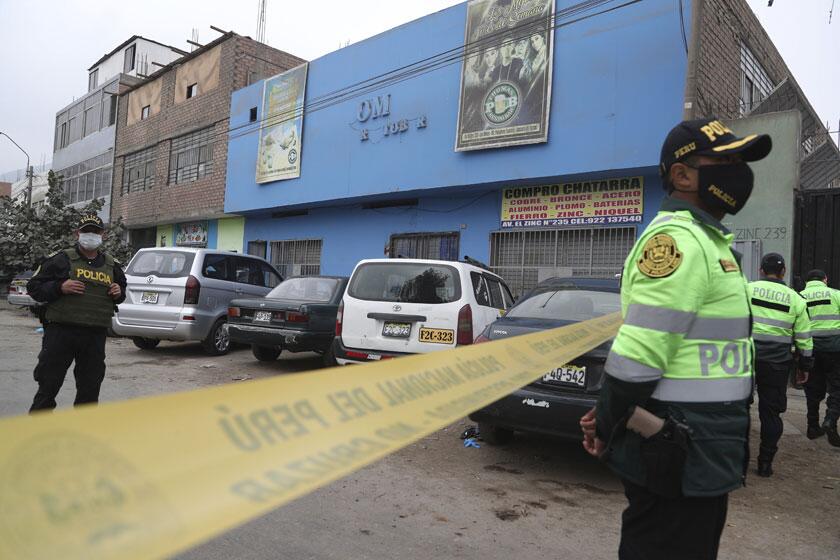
(298, 315)
(554, 403)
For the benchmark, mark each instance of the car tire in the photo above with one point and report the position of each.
(329, 357)
(494, 435)
(266, 353)
(217, 342)
(145, 343)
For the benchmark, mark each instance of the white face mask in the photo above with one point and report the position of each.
(90, 241)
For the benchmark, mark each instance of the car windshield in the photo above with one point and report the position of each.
(166, 264)
(567, 304)
(305, 289)
(406, 282)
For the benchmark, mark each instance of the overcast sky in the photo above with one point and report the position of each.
(46, 46)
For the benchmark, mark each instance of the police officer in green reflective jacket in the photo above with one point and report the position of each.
(780, 321)
(81, 287)
(683, 353)
(824, 307)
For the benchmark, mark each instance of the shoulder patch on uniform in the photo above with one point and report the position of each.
(660, 256)
(729, 266)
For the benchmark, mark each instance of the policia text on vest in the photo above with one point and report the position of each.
(75, 324)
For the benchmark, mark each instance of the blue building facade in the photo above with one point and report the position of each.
(370, 186)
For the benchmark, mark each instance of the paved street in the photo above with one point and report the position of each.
(537, 498)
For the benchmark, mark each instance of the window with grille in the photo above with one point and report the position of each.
(139, 171)
(436, 246)
(524, 258)
(191, 156)
(296, 257)
(755, 83)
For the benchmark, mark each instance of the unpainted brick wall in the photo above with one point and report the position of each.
(203, 198)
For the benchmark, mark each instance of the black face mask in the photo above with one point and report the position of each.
(725, 187)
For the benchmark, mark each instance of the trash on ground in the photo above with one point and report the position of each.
(242, 378)
(208, 366)
(471, 442)
(39, 330)
(470, 432)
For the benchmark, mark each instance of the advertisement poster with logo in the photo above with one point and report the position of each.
(583, 203)
(193, 234)
(506, 77)
(282, 126)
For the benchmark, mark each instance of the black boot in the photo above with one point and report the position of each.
(830, 427)
(815, 431)
(765, 467)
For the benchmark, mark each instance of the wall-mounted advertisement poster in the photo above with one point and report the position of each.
(583, 203)
(193, 234)
(281, 133)
(506, 76)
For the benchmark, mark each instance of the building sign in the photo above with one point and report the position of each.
(282, 126)
(374, 117)
(193, 234)
(506, 77)
(584, 203)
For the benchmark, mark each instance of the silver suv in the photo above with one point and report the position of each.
(183, 294)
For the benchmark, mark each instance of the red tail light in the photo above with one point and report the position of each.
(339, 319)
(481, 338)
(465, 327)
(233, 312)
(295, 317)
(192, 291)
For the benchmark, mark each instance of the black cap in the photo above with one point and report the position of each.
(772, 263)
(709, 137)
(91, 220)
(815, 274)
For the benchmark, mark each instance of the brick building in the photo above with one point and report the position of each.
(735, 70)
(170, 157)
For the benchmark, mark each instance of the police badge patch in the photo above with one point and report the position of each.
(660, 256)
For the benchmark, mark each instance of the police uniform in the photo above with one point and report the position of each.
(780, 321)
(75, 325)
(685, 354)
(824, 307)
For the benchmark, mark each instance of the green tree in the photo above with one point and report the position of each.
(28, 236)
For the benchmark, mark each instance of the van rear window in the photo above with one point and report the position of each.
(406, 283)
(165, 264)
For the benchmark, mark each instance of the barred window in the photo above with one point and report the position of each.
(755, 83)
(139, 171)
(191, 156)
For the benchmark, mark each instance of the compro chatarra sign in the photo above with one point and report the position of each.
(506, 76)
(281, 132)
(582, 203)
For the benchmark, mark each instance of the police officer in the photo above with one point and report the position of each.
(780, 319)
(683, 353)
(824, 307)
(81, 287)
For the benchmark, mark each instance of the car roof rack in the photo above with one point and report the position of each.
(475, 262)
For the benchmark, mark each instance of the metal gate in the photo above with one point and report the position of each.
(524, 258)
(750, 257)
(296, 257)
(436, 246)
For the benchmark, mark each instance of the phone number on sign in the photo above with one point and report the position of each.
(593, 221)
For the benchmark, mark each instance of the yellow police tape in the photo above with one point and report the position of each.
(150, 477)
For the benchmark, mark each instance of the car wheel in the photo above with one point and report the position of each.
(266, 353)
(494, 435)
(329, 357)
(217, 342)
(145, 343)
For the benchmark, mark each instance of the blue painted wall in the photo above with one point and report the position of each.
(617, 89)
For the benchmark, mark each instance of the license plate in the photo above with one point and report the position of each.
(149, 297)
(396, 330)
(263, 316)
(437, 336)
(567, 375)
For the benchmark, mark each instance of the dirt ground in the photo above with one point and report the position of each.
(535, 498)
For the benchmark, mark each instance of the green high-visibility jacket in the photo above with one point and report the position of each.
(824, 307)
(780, 320)
(684, 349)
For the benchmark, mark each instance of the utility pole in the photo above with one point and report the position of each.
(28, 170)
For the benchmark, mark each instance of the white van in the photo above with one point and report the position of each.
(394, 307)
